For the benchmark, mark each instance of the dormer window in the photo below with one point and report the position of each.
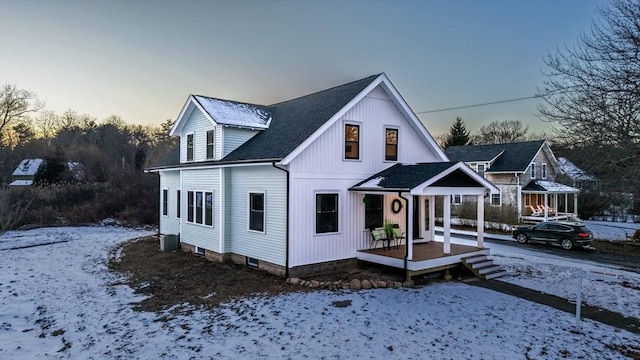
(533, 170)
(352, 141)
(391, 146)
(481, 170)
(210, 144)
(190, 147)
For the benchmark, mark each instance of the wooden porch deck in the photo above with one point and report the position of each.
(427, 257)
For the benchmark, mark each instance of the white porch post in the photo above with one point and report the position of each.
(446, 221)
(546, 207)
(555, 204)
(421, 213)
(432, 218)
(575, 204)
(480, 220)
(409, 214)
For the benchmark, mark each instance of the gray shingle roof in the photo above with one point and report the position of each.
(515, 157)
(408, 176)
(292, 122)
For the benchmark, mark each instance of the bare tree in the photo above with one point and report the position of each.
(47, 123)
(500, 132)
(15, 105)
(592, 94)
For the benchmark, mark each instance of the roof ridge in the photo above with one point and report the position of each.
(324, 90)
(228, 100)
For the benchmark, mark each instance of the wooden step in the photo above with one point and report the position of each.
(475, 259)
(489, 269)
(483, 267)
(494, 275)
(481, 264)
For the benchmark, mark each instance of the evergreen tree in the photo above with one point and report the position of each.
(458, 134)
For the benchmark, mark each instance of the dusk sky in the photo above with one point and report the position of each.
(141, 59)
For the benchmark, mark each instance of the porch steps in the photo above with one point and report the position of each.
(483, 267)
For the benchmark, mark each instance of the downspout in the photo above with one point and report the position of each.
(286, 266)
(406, 224)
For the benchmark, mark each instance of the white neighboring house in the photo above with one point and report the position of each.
(282, 187)
(26, 171)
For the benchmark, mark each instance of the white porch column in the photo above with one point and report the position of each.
(555, 203)
(575, 204)
(446, 222)
(409, 214)
(546, 207)
(432, 217)
(421, 212)
(480, 220)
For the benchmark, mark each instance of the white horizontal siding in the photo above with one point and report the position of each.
(234, 137)
(169, 180)
(198, 125)
(270, 246)
(196, 234)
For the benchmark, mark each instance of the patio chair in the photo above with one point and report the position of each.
(377, 235)
(398, 236)
(535, 211)
(634, 236)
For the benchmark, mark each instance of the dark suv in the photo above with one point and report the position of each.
(568, 235)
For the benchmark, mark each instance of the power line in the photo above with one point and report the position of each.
(483, 104)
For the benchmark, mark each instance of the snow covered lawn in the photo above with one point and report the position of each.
(609, 230)
(60, 301)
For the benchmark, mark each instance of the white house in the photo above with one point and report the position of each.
(282, 187)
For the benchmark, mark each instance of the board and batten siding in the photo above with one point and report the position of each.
(234, 137)
(321, 168)
(268, 246)
(204, 236)
(169, 224)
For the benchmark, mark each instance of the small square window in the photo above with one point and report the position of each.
(252, 262)
(456, 199)
(496, 199)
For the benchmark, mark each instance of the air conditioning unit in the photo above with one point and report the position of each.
(169, 242)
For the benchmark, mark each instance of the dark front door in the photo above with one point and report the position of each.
(416, 218)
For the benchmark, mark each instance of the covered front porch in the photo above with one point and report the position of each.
(416, 189)
(548, 201)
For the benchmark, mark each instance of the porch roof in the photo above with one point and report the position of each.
(414, 178)
(546, 186)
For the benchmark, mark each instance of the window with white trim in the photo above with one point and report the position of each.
(210, 143)
(496, 199)
(480, 168)
(189, 147)
(256, 211)
(533, 170)
(178, 204)
(326, 213)
(544, 171)
(351, 141)
(391, 145)
(200, 207)
(456, 199)
(165, 202)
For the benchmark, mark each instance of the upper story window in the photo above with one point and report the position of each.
(533, 170)
(544, 171)
(190, 147)
(326, 213)
(481, 170)
(496, 199)
(391, 147)
(210, 144)
(256, 212)
(351, 141)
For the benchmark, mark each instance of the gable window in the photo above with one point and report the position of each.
(210, 144)
(373, 211)
(190, 147)
(190, 208)
(178, 204)
(456, 199)
(481, 170)
(351, 141)
(200, 207)
(326, 213)
(533, 170)
(391, 146)
(544, 171)
(256, 212)
(496, 199)
(165, 202)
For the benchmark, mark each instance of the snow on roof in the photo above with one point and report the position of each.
(21, 183)
(571, 170)
(233, 113)
(28, 167)
(372, 183)
(555, 187)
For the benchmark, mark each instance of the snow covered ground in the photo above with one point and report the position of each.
(609, 230)
(60, 301)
